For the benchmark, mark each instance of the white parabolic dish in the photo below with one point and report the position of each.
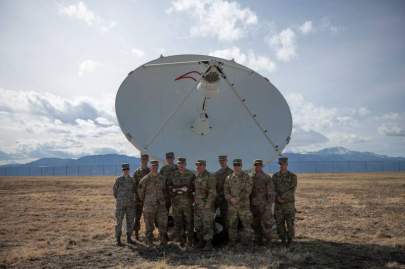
(200, 107)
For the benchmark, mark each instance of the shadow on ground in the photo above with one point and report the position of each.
(304, 254)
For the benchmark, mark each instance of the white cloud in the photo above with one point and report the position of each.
(137, 52)
(36, 125)
(260, 62)
(256, 62)
(391, 124)
(318, 127)
(363, 111)
(58, 109)
(284, 44)
(81, 12)
(306, 27)
(306, 138)
(327, 25)
(230, 53)
(87, 66)
(309, 116)
(108, 26)
(391, 130)
(222, 19)
(390, 116)
(348, 138)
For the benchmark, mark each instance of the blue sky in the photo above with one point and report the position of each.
(340, 64)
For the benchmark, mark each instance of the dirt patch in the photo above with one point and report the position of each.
(343, 221)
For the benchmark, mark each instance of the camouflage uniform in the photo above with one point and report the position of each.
(239, 187)
(167, 173)
(285, 186)
(220, 201)
(151, 192)
(262, 198)
(181, 188)
(204, 199)
(124, 193)
(138, 175)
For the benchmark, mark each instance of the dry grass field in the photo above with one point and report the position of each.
(344, 221)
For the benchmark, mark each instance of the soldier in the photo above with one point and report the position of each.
(124, 194)
(151, 191)
(220, 201)
(237, 189)
(167, 171)
(138, 175)
(285, 184)
(181, 188)
(204, 205)
(261, 201)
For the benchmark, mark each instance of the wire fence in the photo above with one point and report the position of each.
(343, 166)
(297, 166)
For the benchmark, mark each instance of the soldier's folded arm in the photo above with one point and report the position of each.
(270, 190)
(227, 192)
(141, 189)
(212, 191)
(288, 195)
(115, 188)
(171, 188)
(293, 183)
(248, 187)
(192, 185)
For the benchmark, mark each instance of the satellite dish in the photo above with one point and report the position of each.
(200, 107)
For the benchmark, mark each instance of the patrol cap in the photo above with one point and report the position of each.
(283, 160)
(125, 166)
(222, 157)
(169, 155)
(258, 162)
(154, 163)
(181, 160)
(237, 162)
(201, 162)
(144, 157)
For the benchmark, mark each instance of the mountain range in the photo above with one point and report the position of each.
(330, 160)
(336, 154)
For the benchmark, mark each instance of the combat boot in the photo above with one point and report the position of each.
(232, 244)
(163, 239)
(283, 241)
(129, 239)
(259, 241)
(137, 235)
(182, 243)
(200, 244)
(208, 245)
(119, 243)
(149, 242)
(269, 245)
(189, 243)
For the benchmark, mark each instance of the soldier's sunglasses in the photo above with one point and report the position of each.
(125, 169)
